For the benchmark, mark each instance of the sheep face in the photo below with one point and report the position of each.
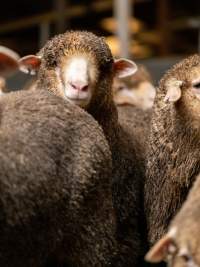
(183, 92)
(141, 95)
(179, 247)
(82, 66)
(81, 60)
(78, 76)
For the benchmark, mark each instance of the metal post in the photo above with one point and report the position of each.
(44, 33)
(122, 13)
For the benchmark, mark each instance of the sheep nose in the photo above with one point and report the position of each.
(79, 86)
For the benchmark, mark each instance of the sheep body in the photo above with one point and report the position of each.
(55, 184)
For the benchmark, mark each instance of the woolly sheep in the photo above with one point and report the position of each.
(173, 156)
(79, 67)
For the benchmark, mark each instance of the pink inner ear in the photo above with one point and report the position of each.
(159, 251)
(124, 68)
(120, 65)
(32, 61)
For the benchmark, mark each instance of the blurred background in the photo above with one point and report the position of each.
(155, 33)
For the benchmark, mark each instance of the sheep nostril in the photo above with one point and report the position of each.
(84, 88)
(79, 87)
(74, 86)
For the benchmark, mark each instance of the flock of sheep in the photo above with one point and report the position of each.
(90, 173)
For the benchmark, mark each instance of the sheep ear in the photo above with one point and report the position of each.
(30, 64)
(173, 91)
(161, 249)
(8, 61)
(124, 67)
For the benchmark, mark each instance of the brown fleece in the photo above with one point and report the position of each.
(127, 175)
(138, 121)
(55, 197)
(173, 157)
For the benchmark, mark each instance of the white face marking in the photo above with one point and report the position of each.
(77, 71)
(78, 78)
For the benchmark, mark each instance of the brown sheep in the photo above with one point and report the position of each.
(181, 245)
(173, 157)
(79, 67)
(55, 188)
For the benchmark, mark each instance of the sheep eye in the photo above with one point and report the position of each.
(197, 85)
(54, 63)
(186, 257)
(108, 60)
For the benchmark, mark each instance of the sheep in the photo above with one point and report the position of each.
(78, 66)
(173, 154)
(8, 65)
(180, 246)
(55, 188)
(136, 90)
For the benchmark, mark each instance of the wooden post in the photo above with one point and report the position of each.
(60, 7)
(199, 39)
(44, 33)
(162, 10)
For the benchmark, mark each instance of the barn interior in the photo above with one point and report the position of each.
(156, 33)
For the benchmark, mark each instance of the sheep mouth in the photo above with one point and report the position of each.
(76, 95)
(77, 98)
(81, 102)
